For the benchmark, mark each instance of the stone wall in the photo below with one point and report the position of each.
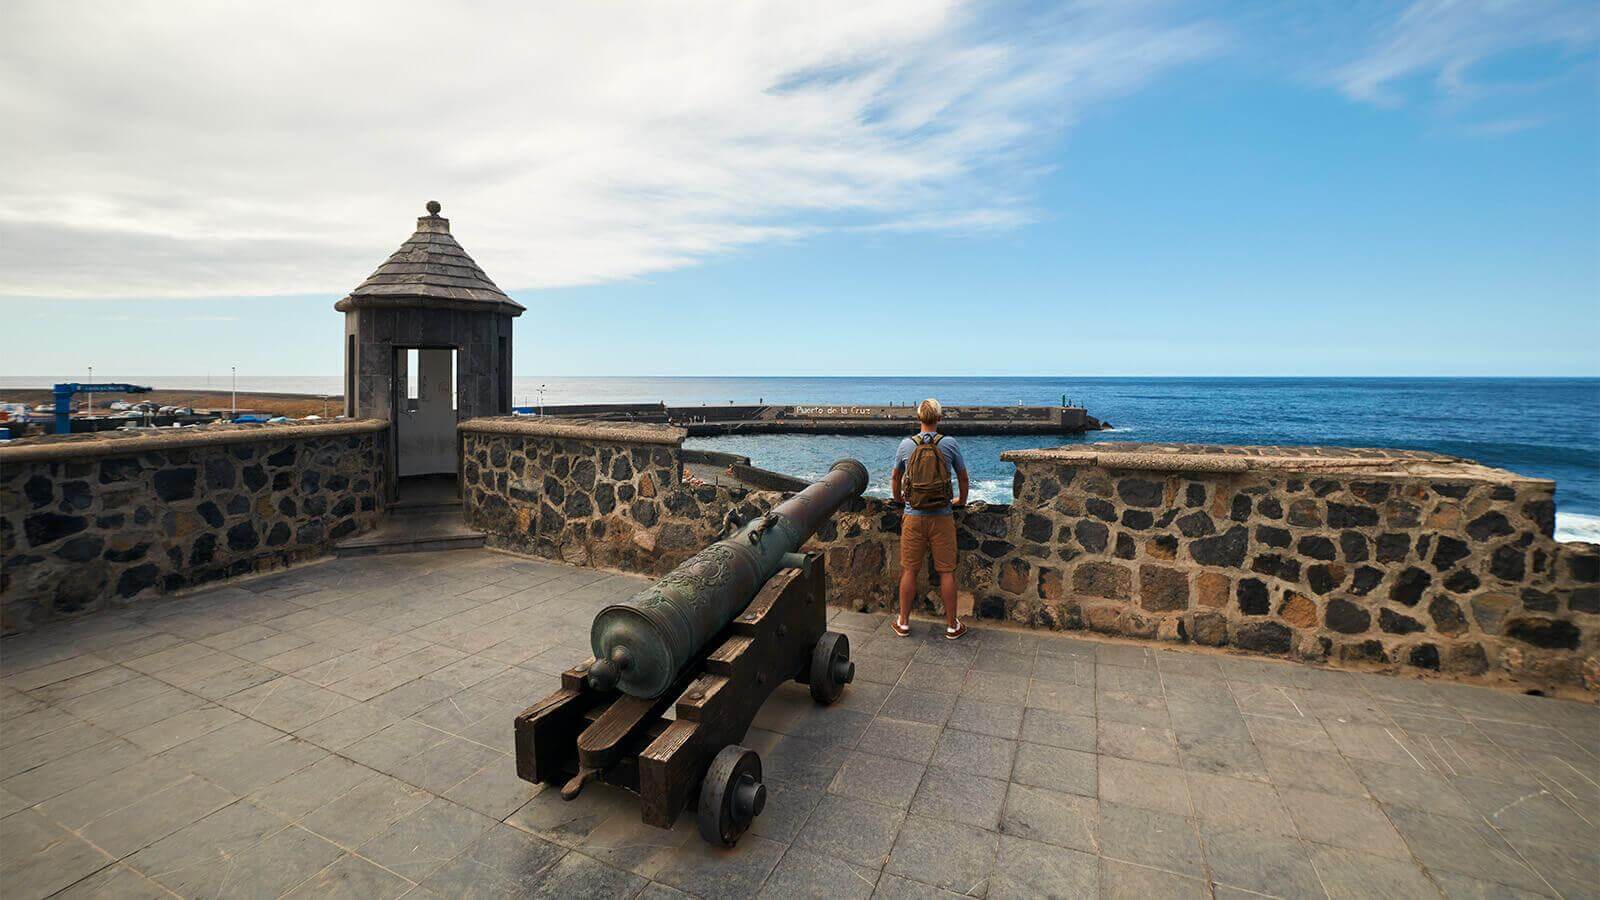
(1385, 558)
(117, 517)
(1397, 558)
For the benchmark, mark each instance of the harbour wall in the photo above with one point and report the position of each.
(1394, 560)
(116, 518)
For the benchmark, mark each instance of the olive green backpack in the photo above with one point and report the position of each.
(927, 477)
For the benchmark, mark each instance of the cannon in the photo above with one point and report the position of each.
(712, 639)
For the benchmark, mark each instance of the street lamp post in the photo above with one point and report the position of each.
(91, 394)
(234, 412)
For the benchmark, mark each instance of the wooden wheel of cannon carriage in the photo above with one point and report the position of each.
(731, 796)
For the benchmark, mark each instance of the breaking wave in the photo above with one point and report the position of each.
(1577, 527)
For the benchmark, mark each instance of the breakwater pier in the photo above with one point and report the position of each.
(864, 419)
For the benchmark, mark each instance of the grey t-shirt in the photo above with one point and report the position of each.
(952, 459)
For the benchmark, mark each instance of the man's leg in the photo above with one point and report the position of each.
(908, 592)
(947, 593)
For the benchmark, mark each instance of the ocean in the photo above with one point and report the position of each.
(1544, 427)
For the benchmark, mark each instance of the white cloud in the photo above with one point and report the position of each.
(162, 148)
(1446, 39)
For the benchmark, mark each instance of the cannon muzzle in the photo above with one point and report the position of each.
(641, 645)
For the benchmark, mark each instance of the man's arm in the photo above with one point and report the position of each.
(894, 477)
(961, 473)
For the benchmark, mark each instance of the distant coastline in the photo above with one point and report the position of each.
(1544, 427)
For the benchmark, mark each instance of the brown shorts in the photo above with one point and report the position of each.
(919, 534)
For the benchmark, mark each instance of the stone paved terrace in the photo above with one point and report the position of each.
(345, 729)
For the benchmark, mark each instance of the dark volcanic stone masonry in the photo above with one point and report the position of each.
(1394, 558)
(115, 518)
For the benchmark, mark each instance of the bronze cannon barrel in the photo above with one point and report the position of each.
(642, 644)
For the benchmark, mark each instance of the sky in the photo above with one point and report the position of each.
(1111, 187)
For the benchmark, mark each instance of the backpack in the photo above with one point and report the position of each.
(927, 476)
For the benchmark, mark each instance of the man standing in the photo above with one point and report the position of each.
(922, 468)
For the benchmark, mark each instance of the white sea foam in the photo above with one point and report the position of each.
(1577, 527)
(990, 490)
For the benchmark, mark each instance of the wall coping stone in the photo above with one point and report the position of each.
(1219, 458)
(124, 443)
(578, 429)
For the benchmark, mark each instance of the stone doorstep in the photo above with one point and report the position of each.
(416, 533)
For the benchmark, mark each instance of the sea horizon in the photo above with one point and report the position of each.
(1539, 426)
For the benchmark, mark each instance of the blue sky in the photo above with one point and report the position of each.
(1366, 189)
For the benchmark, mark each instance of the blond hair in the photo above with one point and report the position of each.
(929, 412)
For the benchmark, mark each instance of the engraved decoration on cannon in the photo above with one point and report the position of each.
(711, 640)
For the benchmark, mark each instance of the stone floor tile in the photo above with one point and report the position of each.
(864, 697)
(1003, 661)
(1150, 838)
(1061, 697)
(343, 728)
(577, 875)
(1235, 759)
(881, 779)
(1162, 788)
(901, 739)
(1056, 768)
(802, 761)
(1059, 729)
(153, 817)
(1260, 862)
(978, 754)
(1535, 812)
(312, 787)
(445, 765)
(1325, 772)
(1379, 743)
(1362, 876)
(944, 854)
(1187, 666)
(74, 769)
(1067, 670)
(1570, 867)
(1145, 743)
(960, 797)
(353, 877)
(1349, 822)
(103, 796)
(365, 811)
(426, 839)
(1125, 880)
(1234, 803)
(832, 725)
(1133, 656)
(1001, 720)
(1455, 885)
(117, 881)
(53, 745)
(894, 887)
(1027, 869)
(788, 807)
(853, 830)
(1138, 709)
(717, 872)
(1470, 848)
(287, 703)
(1125, 680)
(1411, 787)
(10, 803)
(1294, 733)
(947, 653)
(223, 743)
(241, 849)
(184, 726)
(934, 678)
(913, 705)
(256, 767)
(40, 722)
(41, 676)
(878, 669)
(996, 687)
(1216, 721)
(1051, 817)
(38, 857)
(78, 685)
(494, 790)
(388, 747)
(802, 873)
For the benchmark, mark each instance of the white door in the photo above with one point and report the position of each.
(426, 428)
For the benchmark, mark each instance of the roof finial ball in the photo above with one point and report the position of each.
(434, 207)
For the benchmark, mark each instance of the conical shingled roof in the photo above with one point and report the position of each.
(430, 270)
